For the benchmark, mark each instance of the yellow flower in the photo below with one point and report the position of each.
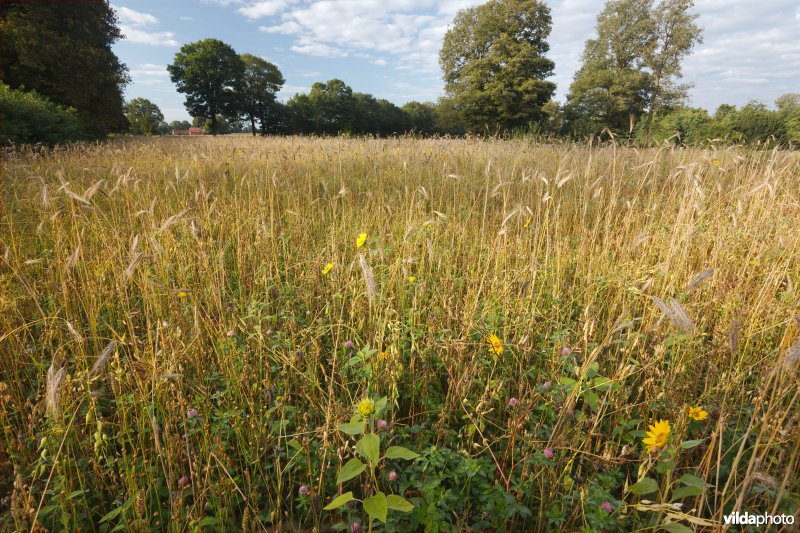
(495, 346)
(715, 162)
(38, 168)
(697, 413)
(527, 223)
(327, 268)
(657, 436)
(362, 238)
(383, 355)
(366, 408)
(411, 279)
(182, 294)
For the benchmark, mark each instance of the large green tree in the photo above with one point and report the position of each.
(494, 64)
(675, 34)
(209, 73)
(631, 68)
(610, 89)
(62, 50)
(333, 107)
(143, 116)
(258, 91)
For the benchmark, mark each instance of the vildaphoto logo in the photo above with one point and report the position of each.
(766, 519)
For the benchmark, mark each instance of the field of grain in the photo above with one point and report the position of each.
(189, 329)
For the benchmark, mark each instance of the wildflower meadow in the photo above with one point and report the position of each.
(357, 334)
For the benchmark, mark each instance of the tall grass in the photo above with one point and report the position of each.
(173, 357)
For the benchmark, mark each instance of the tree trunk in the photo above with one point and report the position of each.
(651, 111)
(213, 123)
(253, 125)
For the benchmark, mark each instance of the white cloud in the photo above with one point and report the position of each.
(264, 8)
(135, 25)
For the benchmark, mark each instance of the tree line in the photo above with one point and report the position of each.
(495, 66)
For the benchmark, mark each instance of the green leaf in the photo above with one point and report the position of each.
(380, 405)
(113, 514)
(294, 443)
(602, 383)
(339, 501)
(377, 506)
(569, 383)
(644, 486)
(592, 399)
(353, 361)
(592, 370)
(352, 428)
(686, 492)
(351, 469)
(691, 443)
(398, 503)
(693, 481)
(370, 448)
(398, 452)
(676, 527)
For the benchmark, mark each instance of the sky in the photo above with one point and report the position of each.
(389, 48)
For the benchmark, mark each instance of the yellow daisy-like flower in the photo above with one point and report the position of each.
(382, 356)
(327, 268)
(362, 238)
(182, 294)
(715, 162)
(697, 413)
(657, 436)
(412, 279)
(495, 346)
(366, 408)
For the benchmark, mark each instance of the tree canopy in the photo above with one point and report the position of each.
(62, 50)
(143, 116)
(258, 92)
(208, 72)
(494, 64)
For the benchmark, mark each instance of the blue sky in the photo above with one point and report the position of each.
(389, 48)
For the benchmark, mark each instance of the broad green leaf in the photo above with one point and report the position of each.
(569, 383)
(685, 492)
(644, 486)
(602, 383)
(692, 481)
(339, 501)
(295, 444)
(398, 503)
(592, 370)
(370, 448)
(380, 405)
(398, 452)
(113, 514)
(352, 428)
(353, 361)
(377, 506)
(592, 399)
(351, 469)
(691, 443)
(676, 527)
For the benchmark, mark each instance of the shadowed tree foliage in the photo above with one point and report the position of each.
(143, 116)
(208, 72)
(494, 64)
(62, 50)
(258, 90)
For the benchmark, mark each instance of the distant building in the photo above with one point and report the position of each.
(190, 131)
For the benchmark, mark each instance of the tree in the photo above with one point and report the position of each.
(610, 88)
(421, 117)
(28, 118)
(143, 116)
(258, 91)
(675, 35)
(333, 107)
(180, 125)
(62, 50)
(494, 63)
(209, 72)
